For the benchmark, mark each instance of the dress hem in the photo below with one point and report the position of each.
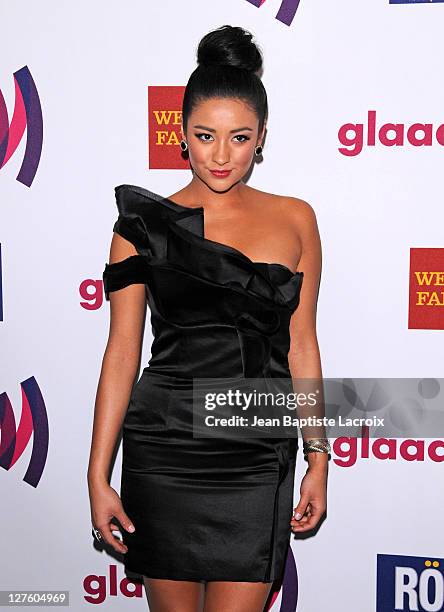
(190, 576)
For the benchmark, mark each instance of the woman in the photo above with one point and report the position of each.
(207, 521)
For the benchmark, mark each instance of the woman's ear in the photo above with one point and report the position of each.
(262, 134)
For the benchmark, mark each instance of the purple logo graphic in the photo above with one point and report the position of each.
(33, 420)
(413, 1)
(1, 285)
(286, 12)
(27, 114)
(288, 585)
(408, 583)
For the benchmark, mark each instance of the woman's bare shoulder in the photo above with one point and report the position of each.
(294, 208)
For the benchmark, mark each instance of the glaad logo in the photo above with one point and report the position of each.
(286, 12)
(27, 114)
(96, 587)
(91, 293)
(33, 420)
(355, 135)
(409, 583)
(347, 450)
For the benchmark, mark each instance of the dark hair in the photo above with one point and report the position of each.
(228, 62)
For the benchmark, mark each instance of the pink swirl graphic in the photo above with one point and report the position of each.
(33, 420)
(27, 114)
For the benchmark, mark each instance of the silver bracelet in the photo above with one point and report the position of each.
(316, 445)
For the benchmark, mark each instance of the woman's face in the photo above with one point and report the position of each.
(221, 135)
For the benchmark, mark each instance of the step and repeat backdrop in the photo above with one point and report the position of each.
(90, 98)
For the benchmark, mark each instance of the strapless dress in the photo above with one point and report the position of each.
(204, 508)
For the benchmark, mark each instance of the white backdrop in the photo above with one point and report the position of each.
(92, 64)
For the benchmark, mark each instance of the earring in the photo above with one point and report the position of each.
(258, 150)
(183, 145)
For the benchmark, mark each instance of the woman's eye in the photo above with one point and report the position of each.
(202, 137)
(204, 140)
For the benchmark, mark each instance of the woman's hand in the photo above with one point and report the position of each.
(106, 505)
(313, 500)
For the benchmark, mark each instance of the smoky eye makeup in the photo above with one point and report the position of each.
(198, 136)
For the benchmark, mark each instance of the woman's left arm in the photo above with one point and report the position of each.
(305, 361)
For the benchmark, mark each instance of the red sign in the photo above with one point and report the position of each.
(426, 300)
(164, 121)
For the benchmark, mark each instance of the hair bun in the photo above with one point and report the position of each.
(229, 46)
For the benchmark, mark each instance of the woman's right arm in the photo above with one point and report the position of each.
(120, 366)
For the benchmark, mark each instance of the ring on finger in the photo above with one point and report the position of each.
(97, 534)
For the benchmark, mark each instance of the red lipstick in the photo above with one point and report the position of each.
(220, 173)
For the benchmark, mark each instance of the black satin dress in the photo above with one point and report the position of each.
(203, 508)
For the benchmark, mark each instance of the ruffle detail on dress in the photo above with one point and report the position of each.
(124, 273)
(166, 233)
